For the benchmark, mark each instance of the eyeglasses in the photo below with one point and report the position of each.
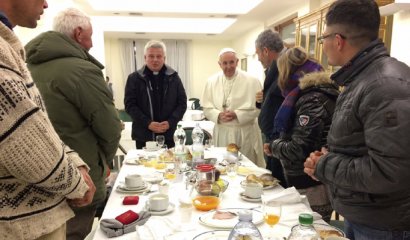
(323, 37)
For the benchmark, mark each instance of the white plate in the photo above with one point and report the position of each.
(207, 218)
(153, 178)
(145, 189)
(170, 208)
(248, 199)
(132, 161)
(213, 235)
(151, 149)
(264, 188)
(324, 227)
(245, 171)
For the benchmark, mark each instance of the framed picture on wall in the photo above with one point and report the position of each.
(244, 64)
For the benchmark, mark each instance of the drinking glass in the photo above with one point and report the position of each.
(231, 169)
(272, 211)
(170, 173)
(160, 140)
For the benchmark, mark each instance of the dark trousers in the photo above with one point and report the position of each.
(360, 232)
(274, 165)
(80, 226)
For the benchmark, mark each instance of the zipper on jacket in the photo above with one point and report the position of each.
(149, 90)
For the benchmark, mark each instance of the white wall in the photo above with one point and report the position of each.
(245, 47)
(400, 47)
(204, 63)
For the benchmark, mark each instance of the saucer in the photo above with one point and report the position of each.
(124, 187)
(249, 199)
(170, 208)
(120, 189)
(151, 149)
(153, 178)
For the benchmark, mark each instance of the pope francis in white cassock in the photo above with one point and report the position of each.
(229, 101)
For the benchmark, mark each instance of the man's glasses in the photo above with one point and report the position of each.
(323, 37)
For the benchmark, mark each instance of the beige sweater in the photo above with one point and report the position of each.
(37, 172)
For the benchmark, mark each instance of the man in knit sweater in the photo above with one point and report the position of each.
(39, 175)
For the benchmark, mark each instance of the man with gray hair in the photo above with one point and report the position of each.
(154, 97)
(269, 46)
(79, 104)
(229, 101)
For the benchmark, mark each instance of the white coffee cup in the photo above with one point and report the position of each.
(134, 181)
(150, 145)
(253, 190)
(158, 202)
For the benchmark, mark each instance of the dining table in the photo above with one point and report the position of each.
(177, 223)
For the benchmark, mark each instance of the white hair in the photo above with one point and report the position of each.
(155, 44)
(69, 19)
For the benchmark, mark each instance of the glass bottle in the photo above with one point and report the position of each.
(197, 146)
(179, 150)
(245, 229)
(304, 230)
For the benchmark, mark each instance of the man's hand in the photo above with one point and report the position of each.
(89, 195)
(226, 116)
(164, 125)
(259, 97)
(156, 127)
(311, 162)
(266, 149)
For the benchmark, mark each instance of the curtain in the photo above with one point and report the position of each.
(127, 54)
(177, 58)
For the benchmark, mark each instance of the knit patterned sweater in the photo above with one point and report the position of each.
(37, 172)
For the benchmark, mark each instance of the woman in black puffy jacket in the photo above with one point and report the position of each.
(303, 121)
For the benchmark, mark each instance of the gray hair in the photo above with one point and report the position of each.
(269, 39)
(69, 19)
(155, 44)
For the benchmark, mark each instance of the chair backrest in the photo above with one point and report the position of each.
(188, 135)
(195, 104)
(124, 116)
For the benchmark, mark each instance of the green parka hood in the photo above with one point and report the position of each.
(53, 45)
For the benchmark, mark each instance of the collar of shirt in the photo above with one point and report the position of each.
(5, 20)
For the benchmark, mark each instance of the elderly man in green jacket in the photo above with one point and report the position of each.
(78, 102)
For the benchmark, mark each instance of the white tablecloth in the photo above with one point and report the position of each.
(230, 199)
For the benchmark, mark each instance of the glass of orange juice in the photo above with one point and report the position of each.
(272, 211)
(160, 164)
(170, 174)
(150, 162)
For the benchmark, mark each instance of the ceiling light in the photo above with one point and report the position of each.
(177, 6)
(162, 25)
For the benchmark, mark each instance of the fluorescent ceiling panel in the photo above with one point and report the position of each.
(176, 6)
(163, 25)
